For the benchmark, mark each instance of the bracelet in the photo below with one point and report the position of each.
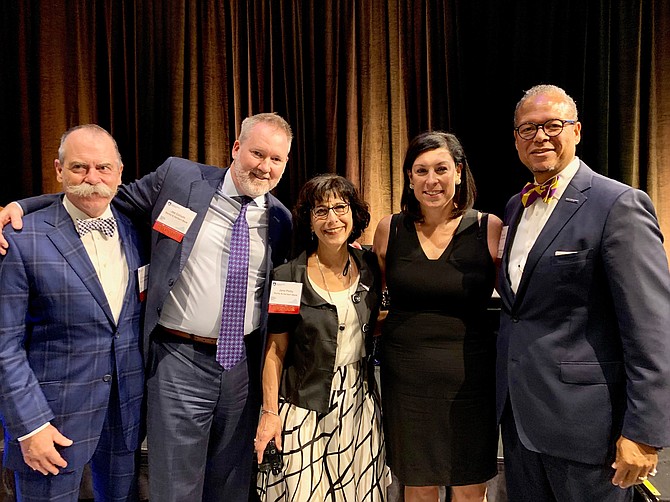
(264, 411)
(386, 300)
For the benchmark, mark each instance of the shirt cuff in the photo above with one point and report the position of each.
(30, 434)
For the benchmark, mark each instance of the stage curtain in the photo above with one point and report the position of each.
(356, 80)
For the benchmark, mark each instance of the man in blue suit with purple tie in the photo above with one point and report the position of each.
(583, 389)
(205, 334)
(71, 365)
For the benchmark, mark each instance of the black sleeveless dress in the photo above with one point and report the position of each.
(438, 358)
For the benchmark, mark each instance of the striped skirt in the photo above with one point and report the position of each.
(338, 456)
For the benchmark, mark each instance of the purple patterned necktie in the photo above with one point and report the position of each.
(230, 345)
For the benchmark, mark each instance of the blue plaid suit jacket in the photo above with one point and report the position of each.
(59, 343)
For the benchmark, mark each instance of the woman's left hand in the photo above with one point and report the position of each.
(269, 427)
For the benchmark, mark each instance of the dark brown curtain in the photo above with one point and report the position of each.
(355, 79)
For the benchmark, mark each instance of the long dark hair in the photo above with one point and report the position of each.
(314, 192)
(466, 192)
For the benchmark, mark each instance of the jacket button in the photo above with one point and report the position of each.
(356, 298)
(171, 282)
(107, 378)
(515, 319)
(365, 328)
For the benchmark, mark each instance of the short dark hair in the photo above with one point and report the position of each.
(466, 192)
(315, 191)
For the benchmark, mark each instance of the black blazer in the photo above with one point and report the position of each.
(309, 365)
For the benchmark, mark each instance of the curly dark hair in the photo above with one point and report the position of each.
(466, 192)
(314, 192)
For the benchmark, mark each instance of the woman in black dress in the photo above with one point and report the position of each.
(438, 355)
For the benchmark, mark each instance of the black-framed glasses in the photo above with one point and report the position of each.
(552, 127)
(321, 212)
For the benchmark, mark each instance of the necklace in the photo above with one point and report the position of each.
(341, 325)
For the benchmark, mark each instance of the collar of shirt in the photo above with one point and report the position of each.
(75, 212)
(228, 190)
(564, 178)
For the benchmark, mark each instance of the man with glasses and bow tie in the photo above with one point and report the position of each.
(71, 365)
(583, 389)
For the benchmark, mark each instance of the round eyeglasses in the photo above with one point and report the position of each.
(552, 127)
(321, 212)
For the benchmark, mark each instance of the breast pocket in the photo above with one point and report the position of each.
(570, 266)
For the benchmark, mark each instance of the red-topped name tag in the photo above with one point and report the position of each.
(174, 220)
(143, 281)
(285, 297)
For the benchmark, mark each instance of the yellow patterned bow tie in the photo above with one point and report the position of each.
(532, 191)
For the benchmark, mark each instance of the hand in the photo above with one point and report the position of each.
(269, 427)
(634, 462)
(40, 453)
(11, 213)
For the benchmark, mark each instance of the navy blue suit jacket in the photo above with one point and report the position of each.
(59, 343)
(191, 185)
(584, 344)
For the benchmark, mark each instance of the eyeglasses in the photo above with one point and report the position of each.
(321, 212)
(552, 127)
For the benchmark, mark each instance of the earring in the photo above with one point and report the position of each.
(312, 236)
(458, 182)
(411, 186)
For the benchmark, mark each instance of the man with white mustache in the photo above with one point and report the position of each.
(71, 366)
(202, 414)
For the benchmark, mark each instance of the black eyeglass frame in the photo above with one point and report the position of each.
(338, 212)
(543, 127)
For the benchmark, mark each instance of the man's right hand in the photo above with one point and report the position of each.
(13, 213)
(39, 450)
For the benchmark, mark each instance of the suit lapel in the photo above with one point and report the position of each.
(68, 243)
(199, 199)
(515, 209)
(130, 245)
(572, 199)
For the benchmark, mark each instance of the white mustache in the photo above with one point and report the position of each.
(88, 190)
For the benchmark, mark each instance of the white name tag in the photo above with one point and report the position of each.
(143, 281)
(174, 220)
(503, 239)
(285, 297)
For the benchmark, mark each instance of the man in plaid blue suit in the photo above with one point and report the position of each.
(71, 364)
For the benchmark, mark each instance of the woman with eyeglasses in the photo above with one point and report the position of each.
(437, 258)
(320, 403)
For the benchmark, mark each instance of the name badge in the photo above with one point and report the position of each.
(285, 297)
(503, 239)
(143, 281)
(174, 220)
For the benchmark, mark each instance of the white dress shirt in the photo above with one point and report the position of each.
(532, 222)
(194, 304)
(108, 259)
